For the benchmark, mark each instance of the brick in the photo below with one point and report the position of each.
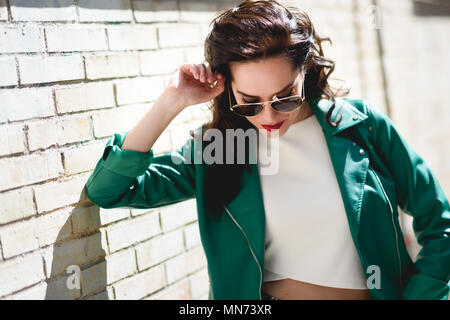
(11, 139)
(194, 54)
(179, 35)
(105, 10)
(136, 212)
(20, 171)
(29, 235)
(139, 90)
(160, 61)
(58, 194)
(192, 236)
(184, 264)
(93, 279)
(8, 71)
(184, 116)
(85, 97)
(132, 37)
(162, 144)
(140, 285)
(159, 249)
(44, 10)
(108, 216)
(57, 289)
(74, 129)
(23, 104)
(53, 227)
(176, 215)
(199, 283)
(42, 134)
(201, 113)
(18, 238)
(21, 38)
(16, 205)
(107, 294)
(196, 259)
(82, 38)
(108, 122)
(120, 265)
(20, 272)
(179, 133)
(85, 219)
(75, 159)
(126, 233)
(74, 252)
(101, 66)
(177, 291)
(92, 217)
(3, 11)
(152, 11)
(50, 68)
(176, 268)
(197, 11)
(36, 292)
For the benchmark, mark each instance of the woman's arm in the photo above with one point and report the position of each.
(128, 174)
(419, 195)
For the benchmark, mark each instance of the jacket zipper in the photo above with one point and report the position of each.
(251, 249)
(393, 225)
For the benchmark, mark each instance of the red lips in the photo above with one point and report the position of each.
(272, 127)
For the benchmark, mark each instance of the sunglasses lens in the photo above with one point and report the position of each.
(248, 110)
(288, 104)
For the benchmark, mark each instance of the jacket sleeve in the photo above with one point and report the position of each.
(127, 178)
(419, 195)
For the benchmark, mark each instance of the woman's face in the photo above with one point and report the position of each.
(256, 81)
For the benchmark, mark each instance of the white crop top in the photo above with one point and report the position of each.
(307, 233)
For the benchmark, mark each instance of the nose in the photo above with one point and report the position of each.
(268, 114)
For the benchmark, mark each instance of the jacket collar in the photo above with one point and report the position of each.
(350, 115)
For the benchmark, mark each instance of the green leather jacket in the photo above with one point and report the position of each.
(376, 171)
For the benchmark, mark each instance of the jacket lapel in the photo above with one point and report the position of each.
(349, 165)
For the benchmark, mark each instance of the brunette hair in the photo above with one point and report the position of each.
(255, 30)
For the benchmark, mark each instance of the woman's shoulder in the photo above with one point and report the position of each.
(366, 106)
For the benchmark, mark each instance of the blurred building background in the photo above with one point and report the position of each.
(73, 72)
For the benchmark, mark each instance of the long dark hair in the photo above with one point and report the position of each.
(256, 30)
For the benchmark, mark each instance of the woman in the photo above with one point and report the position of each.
(325, 224)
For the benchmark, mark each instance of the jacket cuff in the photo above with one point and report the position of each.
(127, 163)
(421, 287)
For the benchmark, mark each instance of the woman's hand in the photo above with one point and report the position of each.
(194, 84)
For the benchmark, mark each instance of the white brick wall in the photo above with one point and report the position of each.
(82, 38)
(114, 65)
(21, 38)
(74, 72)
(88, 96)
(8, 71)
(45, 10)
(23, 104)
(3, 11)
(41, 69)
(156, 10)
(11, 139)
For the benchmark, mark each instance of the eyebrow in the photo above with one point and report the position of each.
(282, 90)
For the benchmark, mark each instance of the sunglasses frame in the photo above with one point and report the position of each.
(276, 99)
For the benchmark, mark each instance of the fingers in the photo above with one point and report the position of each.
(202, 73)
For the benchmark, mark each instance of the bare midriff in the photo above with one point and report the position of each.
(289, 289)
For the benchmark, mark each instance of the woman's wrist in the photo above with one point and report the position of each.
(171, 100)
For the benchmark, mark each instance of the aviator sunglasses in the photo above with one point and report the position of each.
(285, 104)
